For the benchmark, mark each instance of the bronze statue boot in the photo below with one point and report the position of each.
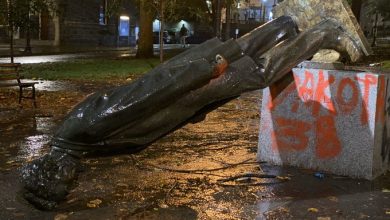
(278, 61)
(337, 38)
(266, 36)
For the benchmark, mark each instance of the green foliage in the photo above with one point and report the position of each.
(174, 10)
(187, 10)
(386, 64)
(97, 69)
(4, 12)
(16, 12)
(114, 7)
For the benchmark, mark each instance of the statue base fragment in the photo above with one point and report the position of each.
(330, 120)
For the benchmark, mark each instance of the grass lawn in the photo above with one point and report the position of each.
(90, 69)
(386, 64)
(98, 69)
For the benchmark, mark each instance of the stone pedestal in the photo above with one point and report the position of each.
(329, 120)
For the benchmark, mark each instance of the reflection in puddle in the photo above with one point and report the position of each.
(270, 205)
(52, 86)
(44, 124)
(34, 146)
(48, 58)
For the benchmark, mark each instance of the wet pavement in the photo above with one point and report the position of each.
(67, 57)
(55, 54)
(185, 175)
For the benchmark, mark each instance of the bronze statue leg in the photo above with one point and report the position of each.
(48, 179)
(95, 123)
(247, 74)
(275, 63)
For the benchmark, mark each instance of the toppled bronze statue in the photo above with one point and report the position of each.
(132, 116)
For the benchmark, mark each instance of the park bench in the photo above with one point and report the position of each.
(10, 77)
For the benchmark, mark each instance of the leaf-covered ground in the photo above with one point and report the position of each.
(179, 176)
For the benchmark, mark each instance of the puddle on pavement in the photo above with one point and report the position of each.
(53, 86)
(50, 86)
(24, 137)
(333, 197)
(33, 147)
(25, 131)
(266, 206)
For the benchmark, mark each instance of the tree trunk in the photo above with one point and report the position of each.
(375, 30)
(356, 7)
(116, 17)
(218, 19)
(228, 19)
(11, 30)
(27, 49)
(161, 31)
(57, 33)
(12, 44)
(145, 42)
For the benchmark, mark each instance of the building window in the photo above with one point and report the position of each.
(124, 26)
(102, 12)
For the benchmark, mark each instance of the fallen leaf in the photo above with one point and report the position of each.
(164, 206)
(386, 190)
(19, 214)
(117, 160)
(94, 203)
(312, 210)
(283, 178)
(60, 217)
(333, 198)
(388, 212)
(71, 200)
(324, 218)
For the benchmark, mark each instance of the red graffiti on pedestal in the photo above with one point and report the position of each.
(293, 134)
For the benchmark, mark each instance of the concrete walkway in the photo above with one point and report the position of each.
(39, 48)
